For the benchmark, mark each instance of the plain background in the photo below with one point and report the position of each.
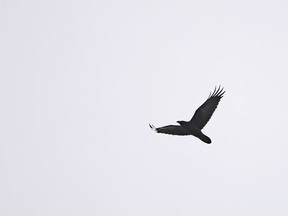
(81, 80)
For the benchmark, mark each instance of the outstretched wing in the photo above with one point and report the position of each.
(170, 129)
(205, 111)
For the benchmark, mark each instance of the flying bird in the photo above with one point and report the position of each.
(198, 121)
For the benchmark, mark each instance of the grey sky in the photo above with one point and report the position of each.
(81, 80)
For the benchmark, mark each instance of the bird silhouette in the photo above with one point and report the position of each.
(198, 121)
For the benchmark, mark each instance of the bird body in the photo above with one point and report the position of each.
(198, 121)
(194, 130)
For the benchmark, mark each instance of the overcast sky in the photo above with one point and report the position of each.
(81, 80)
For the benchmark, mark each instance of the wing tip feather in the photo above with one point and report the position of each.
(152, 127)
(218, 92)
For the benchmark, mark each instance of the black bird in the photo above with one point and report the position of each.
(198, 121)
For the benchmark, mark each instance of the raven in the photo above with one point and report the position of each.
(198, 121)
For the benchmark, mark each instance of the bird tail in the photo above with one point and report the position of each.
(205, 138)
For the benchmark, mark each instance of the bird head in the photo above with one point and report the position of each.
(181, 122)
